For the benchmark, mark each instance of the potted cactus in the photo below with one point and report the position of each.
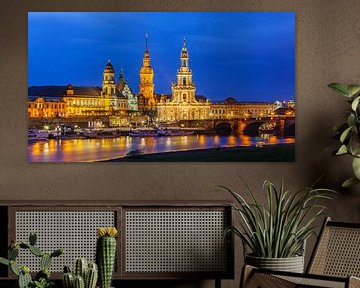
(84, 275)
(106, 254)
(42, 278)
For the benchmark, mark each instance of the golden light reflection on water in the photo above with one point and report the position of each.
(232, 141)
(78, 150)
(245, 140)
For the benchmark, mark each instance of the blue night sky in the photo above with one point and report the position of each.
(246, 55)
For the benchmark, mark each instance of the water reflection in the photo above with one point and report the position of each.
(82, 150)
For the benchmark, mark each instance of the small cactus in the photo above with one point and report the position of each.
(106, 254)
(13, 253)
(91, 276)
(45, 261)
(32, 239)
(24, 280)
(14, 268)
(79, 282)
(84, 274)
(68, 280)
(4, 261)
(42, 278)
(80, 268)
(57, 252)
(36, 251)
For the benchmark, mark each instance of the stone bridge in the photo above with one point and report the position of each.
(250, 126)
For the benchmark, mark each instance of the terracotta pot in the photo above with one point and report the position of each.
(291, 264)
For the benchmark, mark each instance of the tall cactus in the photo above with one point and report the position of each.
(106, 254)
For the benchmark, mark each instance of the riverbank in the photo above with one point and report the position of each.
(269, 153)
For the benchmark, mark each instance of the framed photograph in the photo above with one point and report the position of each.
(161, 86)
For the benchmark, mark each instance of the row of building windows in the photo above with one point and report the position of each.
(47, 105)
(250, 111)
(86, 102)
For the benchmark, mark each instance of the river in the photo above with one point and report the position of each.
(89, 150)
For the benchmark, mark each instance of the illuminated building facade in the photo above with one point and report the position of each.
(183, 104)
(126, 92)
(76, 101)
(49, 107)
(146, 86)
(230, 109)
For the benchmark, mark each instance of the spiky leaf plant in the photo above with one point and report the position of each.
(349, 132)
(279, 229)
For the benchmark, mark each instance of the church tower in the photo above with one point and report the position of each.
(183, 91)
(147, 79)
(109, 85)
(183, 105)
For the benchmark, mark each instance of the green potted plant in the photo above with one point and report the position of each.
(42, 278)
(349, 132)
(275, 233)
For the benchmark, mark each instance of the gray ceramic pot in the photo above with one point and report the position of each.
(291, 264)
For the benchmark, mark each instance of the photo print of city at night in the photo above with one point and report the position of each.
(161, 86)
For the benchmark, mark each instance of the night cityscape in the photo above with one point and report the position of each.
(162, 86)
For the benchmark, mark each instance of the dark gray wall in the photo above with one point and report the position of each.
(327, 50)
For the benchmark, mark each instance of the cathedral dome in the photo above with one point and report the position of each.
(109, 68)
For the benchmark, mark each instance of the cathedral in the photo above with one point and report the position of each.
(183, 104)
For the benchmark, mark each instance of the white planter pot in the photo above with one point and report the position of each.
(291, 264)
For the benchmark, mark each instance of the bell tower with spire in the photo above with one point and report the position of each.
(109, 85)
(183, 104)
(146, 85)
(184, 89)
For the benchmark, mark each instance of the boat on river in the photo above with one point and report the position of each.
(143, 132)
(174, 131)
(36, 134)
(267, 129)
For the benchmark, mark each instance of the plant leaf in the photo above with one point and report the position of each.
(342, 150)
(356, 167)
(354, 146)
(345, 134)
(353, 89)
(349, 182)
(4, 261)
(351, 120)
(355, 103)
(340, 88)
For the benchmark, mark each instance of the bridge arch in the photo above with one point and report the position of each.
(223, 128)
(252, 128)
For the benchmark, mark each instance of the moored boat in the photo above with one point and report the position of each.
(143, 132)
(90, 134)
(36, 134)
(174, 131)
(266, 128)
